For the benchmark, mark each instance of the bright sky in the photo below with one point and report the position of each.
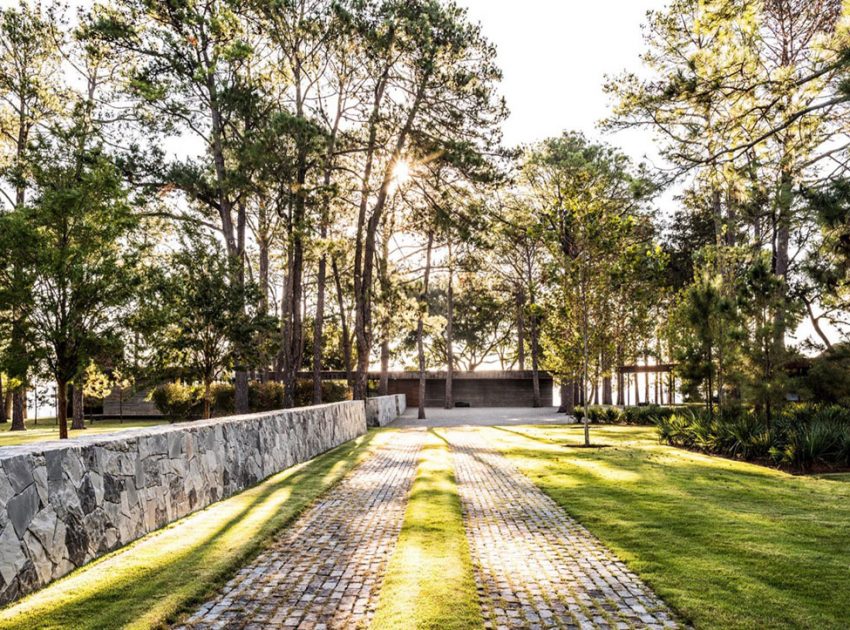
(555, 54)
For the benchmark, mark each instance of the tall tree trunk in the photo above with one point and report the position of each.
(535, 360)
(420, 326)
(671, 389)
(568, 397)
(710, 385)
(384, 380)
(607, 389)
(16, 341)
(450, 356)
(4, 416)
(782, 257)
(234, 235)
(62, 407)
(241, 392)
(263, 245)
(343, 321)
(18, 409)
(520, 327)
(596, 386)
(621, 385)
(291, 311)
(77, 405)
(207, 405)
(318, 327)
(386, 319)
(364, 254)
(362, 262)
(585, 358)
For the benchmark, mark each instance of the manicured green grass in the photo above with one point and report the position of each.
(47, 429)
(727, 544)
(151, 581)
(429, 581)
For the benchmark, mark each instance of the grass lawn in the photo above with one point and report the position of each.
(46, 429)
(149, 582)
(429, 581)
(727, 544)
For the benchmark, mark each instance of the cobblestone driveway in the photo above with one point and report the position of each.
(326, 570)
(535, 566)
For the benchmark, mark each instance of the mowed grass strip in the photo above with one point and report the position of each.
(46, 429)
(727, 544)
(149, 582)
(429, 581)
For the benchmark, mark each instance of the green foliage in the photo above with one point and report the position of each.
(201, 319)
(702, 327)
(96, 384)
(177, 401)
(803, 437)
(481, 323)
(76, 244)
(828, 378)
(592, 205)
(647, 415)
(180, 401)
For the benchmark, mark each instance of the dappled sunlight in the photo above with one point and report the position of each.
(585, 461)
(429, 581)
(45, 430)
(603, 470)
(700, 528)
(186, 558)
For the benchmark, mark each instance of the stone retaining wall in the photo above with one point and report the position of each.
(382, 410)
(63, 504)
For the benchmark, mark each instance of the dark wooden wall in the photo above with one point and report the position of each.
(483, 392)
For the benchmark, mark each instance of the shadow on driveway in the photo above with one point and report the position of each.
(482, 417)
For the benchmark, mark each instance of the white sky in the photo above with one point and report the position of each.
(555, 55)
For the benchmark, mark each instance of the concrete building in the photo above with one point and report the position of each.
(477, 389)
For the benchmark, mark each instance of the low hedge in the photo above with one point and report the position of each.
(181, 401)
(645, 415)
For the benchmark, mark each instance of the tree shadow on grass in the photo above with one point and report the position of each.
(590, 446)
(172, 576)
(700, 529)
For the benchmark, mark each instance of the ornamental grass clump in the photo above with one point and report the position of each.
(803, 437)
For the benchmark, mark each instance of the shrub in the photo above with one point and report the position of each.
(223, 399)
(178, 401)
(801, 436)
(828, 378)
(818, 442)
(648, 415)
(595, 414)
(745, 436)
(332, 391)
(265, 396)
(613, 415)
